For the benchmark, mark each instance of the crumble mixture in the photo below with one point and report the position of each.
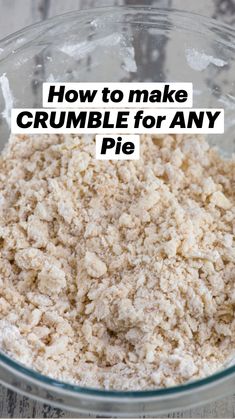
(117, 274)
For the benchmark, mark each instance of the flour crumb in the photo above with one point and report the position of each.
(94, 266)
(117, 274)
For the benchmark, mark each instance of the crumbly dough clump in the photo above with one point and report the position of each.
(117, 274)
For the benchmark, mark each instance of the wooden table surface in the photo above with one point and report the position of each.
(14, 15)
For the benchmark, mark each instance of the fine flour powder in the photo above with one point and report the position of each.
(117, 274)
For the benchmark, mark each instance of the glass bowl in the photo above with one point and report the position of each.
(120, 44)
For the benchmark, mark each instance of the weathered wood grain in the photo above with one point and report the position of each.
(13, 405)
(14, 15)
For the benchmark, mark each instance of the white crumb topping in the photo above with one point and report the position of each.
(117, 274)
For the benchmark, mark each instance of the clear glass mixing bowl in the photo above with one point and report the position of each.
(120, 44)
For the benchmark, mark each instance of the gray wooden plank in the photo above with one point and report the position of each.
(14, 15)
(13, 405)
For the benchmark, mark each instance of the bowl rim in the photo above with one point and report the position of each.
(161, 11)
(41, 379)
(52, 383)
